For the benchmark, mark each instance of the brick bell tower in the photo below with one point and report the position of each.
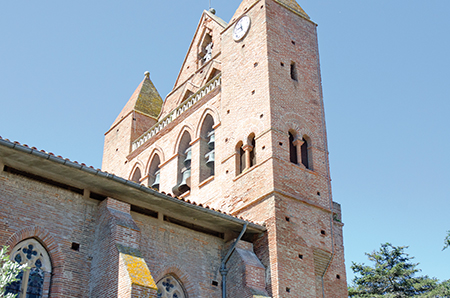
(243, 131)
(272, 108)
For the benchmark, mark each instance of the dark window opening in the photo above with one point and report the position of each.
(294, 72)
(241, 160)
(292, 150)
(144, 211)
(96, 196)
(75, 246)
(184, 165)
(136, 176)
(206, 49)
(252, 152)
(155, 173)
(304, 150)
(207, 148)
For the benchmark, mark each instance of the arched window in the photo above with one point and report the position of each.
(246, 154)
(35, 279)
(205, 53)
(240, 158)
(170, 287)
(207, 148)
(252, 150)
(184, 165)
(292, 149)
(136, 176)
(154, 173)
(305, 154)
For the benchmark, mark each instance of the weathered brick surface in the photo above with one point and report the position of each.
(193, 257)
(56, 218)
(300, 255)
(260, 97)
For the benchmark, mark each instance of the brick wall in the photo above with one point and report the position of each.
(56, 218)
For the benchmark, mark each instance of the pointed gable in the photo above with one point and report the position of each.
(211, 25)
(145, 100)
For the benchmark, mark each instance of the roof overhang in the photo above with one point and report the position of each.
(64, 171)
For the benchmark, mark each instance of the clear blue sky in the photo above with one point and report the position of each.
(68, 67)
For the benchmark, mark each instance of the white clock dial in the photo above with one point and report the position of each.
(241, 28)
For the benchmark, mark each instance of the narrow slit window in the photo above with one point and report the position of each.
(252, 152)
(304, 150)
(292, 149)
(294, 71)
(241, 160)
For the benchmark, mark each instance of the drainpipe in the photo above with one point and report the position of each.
(223, 265)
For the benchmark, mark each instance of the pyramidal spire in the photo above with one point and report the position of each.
(289, 4)
(145, 100)
(292, 4)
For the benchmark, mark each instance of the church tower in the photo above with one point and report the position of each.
(243, 131)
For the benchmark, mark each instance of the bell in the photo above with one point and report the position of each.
(156, 182)
(187, 160)
(210, 159)
(185, 181)
(212, 139)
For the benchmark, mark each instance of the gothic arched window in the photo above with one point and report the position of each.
(207, 146)
(154, 173)
(184, 165)
(36, 277)
(136, 176)
(170, 287)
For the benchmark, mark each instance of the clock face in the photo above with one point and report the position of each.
(241, 28)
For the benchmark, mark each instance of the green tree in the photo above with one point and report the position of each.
(8, 272)
(392, 276)
(447, 240)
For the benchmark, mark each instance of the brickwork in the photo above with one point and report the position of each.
(270, 86)
(246, 274)
(167, 249)
(56, 218)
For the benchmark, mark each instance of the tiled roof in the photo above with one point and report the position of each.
(145, 99)
(44, 154)
(293, 5)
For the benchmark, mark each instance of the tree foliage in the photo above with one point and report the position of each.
(393, 276)
(8, 272)
(447, 240)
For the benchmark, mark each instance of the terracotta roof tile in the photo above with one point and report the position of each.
(167, 194)
(145, 99)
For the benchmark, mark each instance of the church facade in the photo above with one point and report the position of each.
(221, 190)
